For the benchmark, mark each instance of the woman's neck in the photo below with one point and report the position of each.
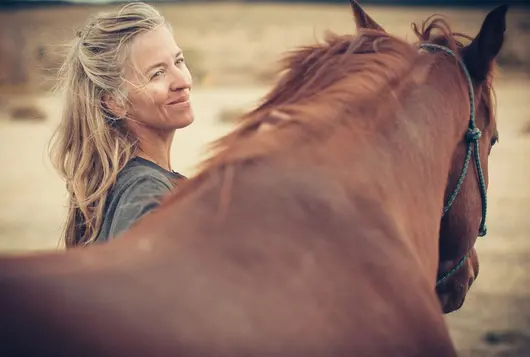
(161, 160)
(156, 147)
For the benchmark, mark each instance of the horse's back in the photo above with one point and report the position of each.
(289, 265)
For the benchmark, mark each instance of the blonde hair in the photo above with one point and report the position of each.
(91, 145)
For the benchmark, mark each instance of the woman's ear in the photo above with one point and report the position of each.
(117, 109)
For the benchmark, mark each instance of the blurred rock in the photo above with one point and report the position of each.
(510, 343)
(27, 112)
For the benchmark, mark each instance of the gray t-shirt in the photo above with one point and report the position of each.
(137, 190)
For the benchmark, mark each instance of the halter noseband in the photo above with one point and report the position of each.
(471, 137)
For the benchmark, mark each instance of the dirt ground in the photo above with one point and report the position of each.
(232, 49)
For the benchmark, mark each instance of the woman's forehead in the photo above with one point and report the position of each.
(152, 46)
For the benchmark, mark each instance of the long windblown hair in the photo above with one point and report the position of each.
(91, 145)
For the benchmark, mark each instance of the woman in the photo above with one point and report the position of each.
(127, 90)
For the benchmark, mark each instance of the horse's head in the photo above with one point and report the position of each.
(464, 211)
(467, 214)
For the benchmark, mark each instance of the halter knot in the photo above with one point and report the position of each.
(473, 134)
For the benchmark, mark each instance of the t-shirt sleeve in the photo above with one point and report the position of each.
(139, 198)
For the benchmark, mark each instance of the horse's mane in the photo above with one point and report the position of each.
(318, 84)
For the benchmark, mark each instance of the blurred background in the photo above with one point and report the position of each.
(232, 49)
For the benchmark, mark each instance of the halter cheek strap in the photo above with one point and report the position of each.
(471, 137)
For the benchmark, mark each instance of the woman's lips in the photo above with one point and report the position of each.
(182, 101)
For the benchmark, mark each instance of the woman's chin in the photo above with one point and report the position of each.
(186, 119)
(181, 119)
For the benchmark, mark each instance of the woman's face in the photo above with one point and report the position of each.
(158, 82)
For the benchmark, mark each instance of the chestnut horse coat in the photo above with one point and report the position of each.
(313, 230)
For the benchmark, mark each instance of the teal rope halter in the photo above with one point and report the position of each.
(472, 137)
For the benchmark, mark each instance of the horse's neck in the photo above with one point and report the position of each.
(409, 158)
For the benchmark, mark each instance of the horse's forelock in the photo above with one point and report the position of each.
(436, 30)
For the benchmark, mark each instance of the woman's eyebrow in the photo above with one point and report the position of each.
(161, 64)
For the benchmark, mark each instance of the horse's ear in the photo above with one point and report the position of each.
(362, 20)
(482, 51)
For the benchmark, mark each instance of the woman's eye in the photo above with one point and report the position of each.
(180, 60)
(156, 74)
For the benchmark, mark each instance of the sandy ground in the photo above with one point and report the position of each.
(236, 47)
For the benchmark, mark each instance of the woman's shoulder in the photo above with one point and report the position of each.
(138, 189)
(139, 169)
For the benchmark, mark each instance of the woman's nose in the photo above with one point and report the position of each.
(180, 79)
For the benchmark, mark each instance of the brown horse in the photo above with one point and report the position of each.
(314, 230)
